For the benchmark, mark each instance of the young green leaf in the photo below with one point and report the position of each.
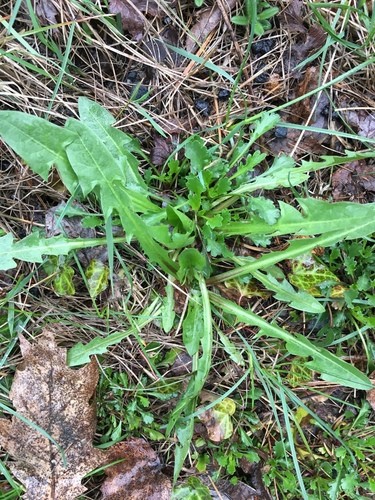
(284, 291)
(231, 349)
(97, 170)
(94, 164)
(198, 154)
(193, 489)
(191, 262)
(267, 122)
(120, 145)
(265, 208)
(192, 326)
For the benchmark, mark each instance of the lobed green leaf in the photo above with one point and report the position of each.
(34, 247)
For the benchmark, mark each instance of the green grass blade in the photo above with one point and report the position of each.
(336, 133)
(80, 354)
(293, 450)
(324, 362)
(199, 60)
(64, 64)
(296, 248)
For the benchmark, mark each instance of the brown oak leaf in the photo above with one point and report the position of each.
(56, 399)
(51, 442)
(138, 476)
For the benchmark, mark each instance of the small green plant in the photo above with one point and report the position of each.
(264, 13)
(190, 236)
(125, 408)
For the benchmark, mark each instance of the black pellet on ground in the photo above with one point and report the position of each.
(203, 106)
(262, 47)
(281, 132)
(223, 94)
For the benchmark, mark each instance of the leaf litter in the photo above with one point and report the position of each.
(57, 399)
(50, 438)
(60, 220)
(312, 111)
(46, 11)
(133, 14)
(137, 475)
(358, 116)
(208, 20)
(354, 181)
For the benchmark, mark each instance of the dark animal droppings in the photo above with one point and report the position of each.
(167, 21)
(4, 164)
(223, 94)
(281, 132)
(262, 78)
(203, 106)
(263, 46)
(132, 77)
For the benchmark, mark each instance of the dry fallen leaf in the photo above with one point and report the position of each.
(163, 147)
(355, 180)
(138, 476)
(132, 13)
(46, 11)
(371, 394)
(305, 40)
(57, 399)
(72, 227)
(217, 420)
(207, 22)
(308, 111)
(292, 17)
(158, 50)
(359, 118)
